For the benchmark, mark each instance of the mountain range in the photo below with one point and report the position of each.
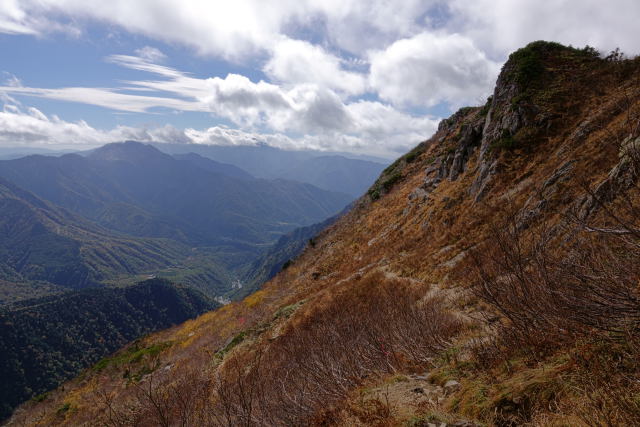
(193, 194)
(45, 246)
(341, 172)
(190, 213)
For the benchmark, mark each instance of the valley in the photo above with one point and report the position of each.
(200, 221)
(84, 234)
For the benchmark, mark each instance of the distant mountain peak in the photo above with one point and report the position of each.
(129, 151)
(214, 166)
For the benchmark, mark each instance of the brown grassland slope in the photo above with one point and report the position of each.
(489, 277)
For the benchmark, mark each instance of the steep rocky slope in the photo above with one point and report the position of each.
(488, 277)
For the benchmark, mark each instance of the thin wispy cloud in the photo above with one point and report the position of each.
(151, 54)
(107, 98)
(315, 112)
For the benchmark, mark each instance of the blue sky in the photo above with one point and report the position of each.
(82, 61)
(372, 77)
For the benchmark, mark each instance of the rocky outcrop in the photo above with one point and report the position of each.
(451, 164)
(539, 202)
(620, 178)
(470, 137)
(518, 108)
(504, 119)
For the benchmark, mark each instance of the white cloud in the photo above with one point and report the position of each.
(501, 26)
(428, 69)
(231, 30)
(371, 127)
(18, 17)
(365, 133)
(142, 64)
(34, 128)
(220, 135)
(297, 61)
(12, 80)
(258, 31)
(13, 19)
(321, 57)
(37, 114)
(246, 103)
(240, 29)
(151, 54)
(302, 108)
(299, 108)
(107, 98)
(11, 109)
(381, 128)
(359, 25)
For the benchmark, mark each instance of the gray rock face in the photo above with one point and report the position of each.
(620, 178)
(486, 170)
(419, 194)
(504, 119)
(430, 183)
(469, 140)
(451, 165)
(504, 116)
(537, 203)
(486, 166)
(559, 175)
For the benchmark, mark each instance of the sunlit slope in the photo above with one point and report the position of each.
(389, 318)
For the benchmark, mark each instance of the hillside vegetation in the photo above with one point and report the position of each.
(48, 340)
(46, 248)
(489, 277)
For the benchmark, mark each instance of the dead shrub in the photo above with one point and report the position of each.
(573, 288)
(375, 326)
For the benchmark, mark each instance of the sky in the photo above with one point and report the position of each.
(362, 76)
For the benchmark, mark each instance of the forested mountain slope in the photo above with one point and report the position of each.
(42, 245)
(48, 340)
(488, 277)
(280, 256)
